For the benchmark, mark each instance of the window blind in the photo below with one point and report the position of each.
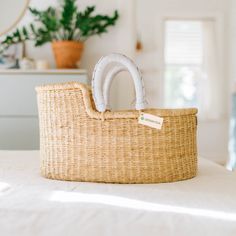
(183, 42)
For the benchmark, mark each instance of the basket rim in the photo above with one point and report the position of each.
(122, 114)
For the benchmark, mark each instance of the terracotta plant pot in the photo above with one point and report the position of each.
(67, 53)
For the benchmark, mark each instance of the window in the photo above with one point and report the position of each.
(183, 62)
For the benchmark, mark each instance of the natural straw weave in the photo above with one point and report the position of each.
(80, 144)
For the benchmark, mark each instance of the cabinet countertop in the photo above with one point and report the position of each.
(40, 72)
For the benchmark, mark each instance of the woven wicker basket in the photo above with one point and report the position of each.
(80, 143)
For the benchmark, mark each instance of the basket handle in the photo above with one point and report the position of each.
(103, 63)
(108, 82)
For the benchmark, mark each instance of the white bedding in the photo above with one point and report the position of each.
(31, 205)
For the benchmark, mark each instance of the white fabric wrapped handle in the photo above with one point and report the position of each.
(97, 82)
(108, 82)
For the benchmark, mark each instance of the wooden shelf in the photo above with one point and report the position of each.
(40, 72)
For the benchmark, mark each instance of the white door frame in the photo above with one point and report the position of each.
(221, 39)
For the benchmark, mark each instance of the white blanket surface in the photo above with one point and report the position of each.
(31, 205)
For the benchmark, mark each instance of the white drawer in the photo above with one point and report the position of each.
(17, 92)
(18, 106)
(19, 133)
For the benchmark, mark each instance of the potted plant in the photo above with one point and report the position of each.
(66, 28)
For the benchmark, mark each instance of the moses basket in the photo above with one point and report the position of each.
(82, 140)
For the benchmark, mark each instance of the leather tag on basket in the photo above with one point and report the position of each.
(150, 120)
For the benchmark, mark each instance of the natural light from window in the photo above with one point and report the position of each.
(4, 187)
(183, 62)
(124, 202)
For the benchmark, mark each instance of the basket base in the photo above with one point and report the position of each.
(121, 181)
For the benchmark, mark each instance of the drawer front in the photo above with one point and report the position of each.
(17, 92)
(19, 133)
(19, 128)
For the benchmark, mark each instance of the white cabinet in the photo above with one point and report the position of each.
(18, 104)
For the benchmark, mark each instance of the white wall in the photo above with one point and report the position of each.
(232, 54)
(148, 21)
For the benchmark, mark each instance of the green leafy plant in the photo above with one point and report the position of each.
(65, 23)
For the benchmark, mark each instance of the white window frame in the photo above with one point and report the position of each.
(218, 17)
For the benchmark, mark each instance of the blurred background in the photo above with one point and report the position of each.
(185, 49)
